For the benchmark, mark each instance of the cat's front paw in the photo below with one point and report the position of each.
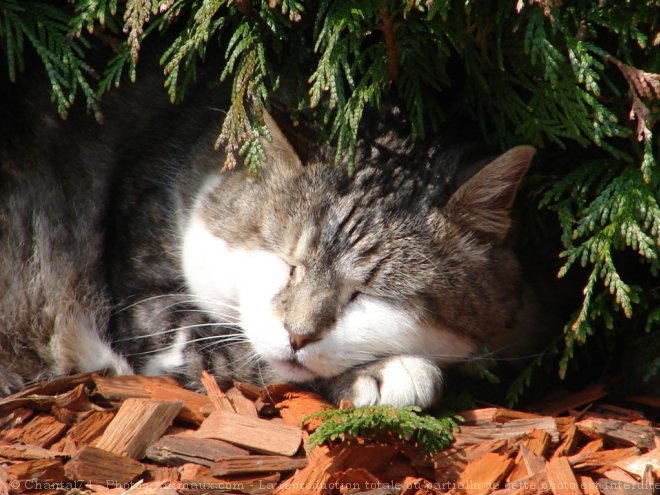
(398, 380)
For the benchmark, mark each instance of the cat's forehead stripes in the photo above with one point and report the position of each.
(305, 243)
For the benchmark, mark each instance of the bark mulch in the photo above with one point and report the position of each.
(89, 434)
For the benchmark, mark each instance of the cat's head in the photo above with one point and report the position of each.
(325, 272)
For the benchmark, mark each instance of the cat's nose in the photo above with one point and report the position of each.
(299, 341)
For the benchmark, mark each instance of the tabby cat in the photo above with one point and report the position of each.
(124, 248)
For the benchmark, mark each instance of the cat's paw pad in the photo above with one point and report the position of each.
(399, 381)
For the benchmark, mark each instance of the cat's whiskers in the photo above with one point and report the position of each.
(191, 301)
(197, 298)
(380, 355)
(148, 299)
(188, 300)
(489, 356)
(263, 381)
(249, 358)
(219, 318)
(225, 338)
(177, 329)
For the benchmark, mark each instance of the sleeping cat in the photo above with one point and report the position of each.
(124, 248)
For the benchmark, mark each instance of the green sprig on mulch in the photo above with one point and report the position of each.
(409, 424)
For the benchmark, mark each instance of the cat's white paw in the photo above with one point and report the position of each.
(399, 381)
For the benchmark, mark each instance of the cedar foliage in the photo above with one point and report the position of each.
(576, 76)
(409, 424)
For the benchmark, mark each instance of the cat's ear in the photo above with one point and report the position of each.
(483, 202)
(282, 158)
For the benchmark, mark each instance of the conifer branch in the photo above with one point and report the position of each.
(408, 424)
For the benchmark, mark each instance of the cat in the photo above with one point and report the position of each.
(125, 248)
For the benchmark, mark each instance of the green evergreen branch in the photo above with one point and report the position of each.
(138, 13)
(624, 214)
(190, 47)
(90, 12)
(46, 28)
(408, 423)
(238, 134)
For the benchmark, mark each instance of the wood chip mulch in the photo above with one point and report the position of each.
(88, 434)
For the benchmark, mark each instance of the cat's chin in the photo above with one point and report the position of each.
(292, 371)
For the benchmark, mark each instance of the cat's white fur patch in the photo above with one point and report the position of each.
(406, 380)
(237, 283)
(169, 360)
(245, 282)
(365, 391)
(211, 273)
(399, 381)
(79, 347)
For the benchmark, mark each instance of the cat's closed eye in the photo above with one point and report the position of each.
(354, 296)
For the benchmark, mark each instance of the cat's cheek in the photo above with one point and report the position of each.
(375, 328)
(372, 328)
(211, 270)
(265, 333)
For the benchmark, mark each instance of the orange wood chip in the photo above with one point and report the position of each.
(196, 479)
(588, 485)
(161, 473)
(27, 452)
(588, 460)
(638, 464)
(138, 424)
(538, 442)
(514, 429)
(591, 447)
(354, 480)
(324, 462)
(180, 449)
(102, 467)
(450, 463)
(558, 405)
(42, 431)
(294, 406)
(215, 393)
(484, 474)
(255, 464)
(258, 435)
(85, 432)
(4, 482)
(568, 434)
(605, 450)
(561, 477)
(537, 484)
(621, 432)
(157, 388)
(241, 404)
(35, 475)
